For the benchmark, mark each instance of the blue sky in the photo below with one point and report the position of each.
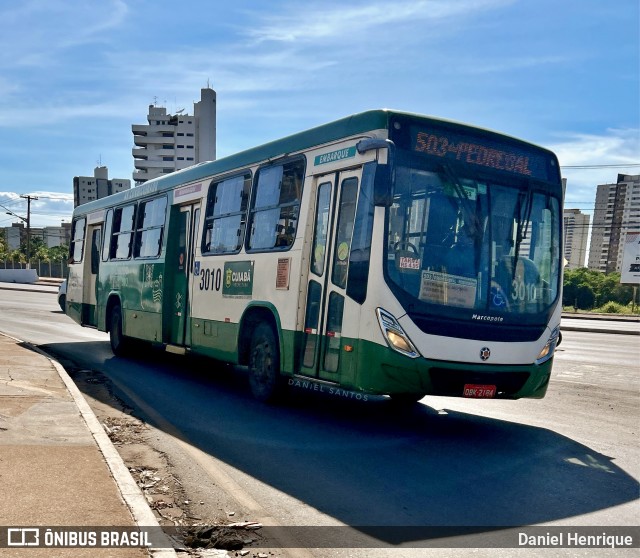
(74, 76)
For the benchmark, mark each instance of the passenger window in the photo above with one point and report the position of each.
(226, 215)
(122, 232)
(276, 205)
(150, 227)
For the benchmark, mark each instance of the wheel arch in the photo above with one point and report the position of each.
(256, 312)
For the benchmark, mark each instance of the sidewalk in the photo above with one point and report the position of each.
(57, 465)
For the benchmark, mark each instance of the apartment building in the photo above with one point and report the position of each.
(617, 213)
(89, 188)
(170, 142)
(16, 235)
(576, 236)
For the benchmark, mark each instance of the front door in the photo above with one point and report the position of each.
(329, 267)
(179, 265)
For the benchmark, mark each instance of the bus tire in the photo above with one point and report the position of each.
(266, 383)
(119, 343)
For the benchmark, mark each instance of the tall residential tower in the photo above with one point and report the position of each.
(576, 234)
(172, 142)
(617, 212)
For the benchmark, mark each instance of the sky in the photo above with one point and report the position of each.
(75, 75)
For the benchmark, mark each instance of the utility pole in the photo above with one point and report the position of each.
(29, 198)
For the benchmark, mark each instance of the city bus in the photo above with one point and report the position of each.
(385, 253)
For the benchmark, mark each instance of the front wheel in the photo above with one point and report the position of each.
(119, 343)
(267, 385)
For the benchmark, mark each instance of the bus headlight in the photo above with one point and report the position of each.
(547, 352)
(395, 336)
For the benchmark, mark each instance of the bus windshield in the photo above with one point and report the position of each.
(460, 245)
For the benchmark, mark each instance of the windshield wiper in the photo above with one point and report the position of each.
(470, 217)
(523, 223)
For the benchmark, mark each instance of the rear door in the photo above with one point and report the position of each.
(90, 272)
(179, 268)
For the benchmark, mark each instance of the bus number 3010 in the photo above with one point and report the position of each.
(210, 279)
(523, 292)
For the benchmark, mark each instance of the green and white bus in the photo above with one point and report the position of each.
(383, 253)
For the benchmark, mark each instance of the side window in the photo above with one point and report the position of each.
(150, 227)
(77, 243)
(107, 235)
(276, 205)
(122, 232)
(226, 215)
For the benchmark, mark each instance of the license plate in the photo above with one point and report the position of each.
(479, 391)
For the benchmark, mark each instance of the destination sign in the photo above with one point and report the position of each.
(475, 150)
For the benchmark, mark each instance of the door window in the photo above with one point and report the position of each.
(320, 235)
(342, 247)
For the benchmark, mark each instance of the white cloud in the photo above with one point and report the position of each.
(33, 31)
(617, 147)
(343, 19)
(511, 64)
(48, 210)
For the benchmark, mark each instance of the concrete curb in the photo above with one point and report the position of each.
(129, 490)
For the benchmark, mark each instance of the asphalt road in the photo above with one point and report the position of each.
(570, 459)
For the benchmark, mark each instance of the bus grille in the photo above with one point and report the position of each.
(451, 382)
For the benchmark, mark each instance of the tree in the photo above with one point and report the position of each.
(585, 297)
(4, 248)
(58, 253)
(587, 288)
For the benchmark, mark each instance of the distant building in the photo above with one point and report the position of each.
(576, 235)
(172, 142)
(13, 236)
(617, 212)
(89, 188)
(16, 235)
(57, 236)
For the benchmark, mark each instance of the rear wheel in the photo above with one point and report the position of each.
(119, 343)
(266, 383)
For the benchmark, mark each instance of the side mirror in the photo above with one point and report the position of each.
(384, 176)
(383, 185)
